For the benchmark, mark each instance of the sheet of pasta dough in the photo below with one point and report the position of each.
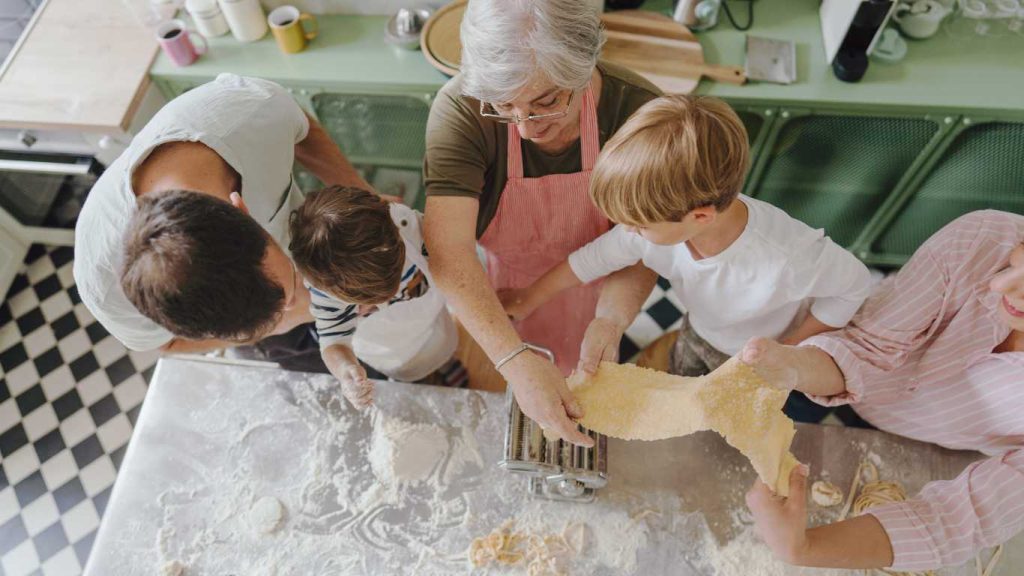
(633, 403)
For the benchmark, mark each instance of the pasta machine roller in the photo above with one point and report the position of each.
(555, 469)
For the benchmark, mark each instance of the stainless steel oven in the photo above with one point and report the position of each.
(45, 176)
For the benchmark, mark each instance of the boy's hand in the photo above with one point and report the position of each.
(357, 388)
(782, 522)
(516, 302)
(600, 344)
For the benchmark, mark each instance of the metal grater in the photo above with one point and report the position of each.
(555, 469)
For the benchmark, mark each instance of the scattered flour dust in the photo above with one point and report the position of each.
(405, 453)
(747, 555)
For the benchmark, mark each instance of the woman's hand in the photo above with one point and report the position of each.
(782, 522)
(543, 395)
(516, 302)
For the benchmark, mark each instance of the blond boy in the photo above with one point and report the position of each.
(671, 178)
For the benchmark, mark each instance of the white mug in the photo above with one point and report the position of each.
(920, 19)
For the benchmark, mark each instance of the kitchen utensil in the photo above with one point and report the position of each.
(245, 18)
(920, 19)
(697, 14)
(556, 469)
(651, 44)
(891, 47)
(440, 38)
(849, 30)
(404, 28)
(176, 41)
(208, 18)
(770, 60)
(661, 50)
(286, 25)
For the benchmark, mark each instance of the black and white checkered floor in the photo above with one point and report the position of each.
(69, 398)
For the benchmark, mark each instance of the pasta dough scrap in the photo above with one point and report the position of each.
(633, 403)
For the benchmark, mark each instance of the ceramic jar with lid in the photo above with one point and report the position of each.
(246, 19)
(208, 18)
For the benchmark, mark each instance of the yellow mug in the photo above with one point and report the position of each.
(286, 24)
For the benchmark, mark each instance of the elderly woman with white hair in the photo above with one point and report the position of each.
(511, 142)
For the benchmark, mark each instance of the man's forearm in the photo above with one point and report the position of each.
(321, 156)
(624, 293)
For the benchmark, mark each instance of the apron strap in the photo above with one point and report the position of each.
(590, 144)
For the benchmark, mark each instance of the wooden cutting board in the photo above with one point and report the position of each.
(652, 45)
(661, 50)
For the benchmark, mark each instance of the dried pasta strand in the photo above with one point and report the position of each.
(992, 562)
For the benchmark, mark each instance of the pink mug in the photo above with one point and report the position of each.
(175, 38)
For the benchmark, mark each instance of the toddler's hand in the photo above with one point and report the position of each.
(514, 300)
(357, 388)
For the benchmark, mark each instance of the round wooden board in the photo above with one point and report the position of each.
(440, 41)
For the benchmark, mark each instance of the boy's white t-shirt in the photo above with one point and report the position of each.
(252, 124)
(755, 287)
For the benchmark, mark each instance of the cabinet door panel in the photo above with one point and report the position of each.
(834, 171)
(983, 168)
(376, 130)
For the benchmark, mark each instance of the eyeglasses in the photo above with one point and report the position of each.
(488, 111)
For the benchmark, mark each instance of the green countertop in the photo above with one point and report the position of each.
(349, 51)
(960, 73)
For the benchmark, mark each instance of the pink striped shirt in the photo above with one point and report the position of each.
(918, 362)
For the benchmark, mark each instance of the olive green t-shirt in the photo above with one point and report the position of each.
(467, 153)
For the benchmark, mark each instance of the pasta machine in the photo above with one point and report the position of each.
(555, 469)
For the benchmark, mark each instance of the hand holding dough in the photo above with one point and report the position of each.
(634, 403)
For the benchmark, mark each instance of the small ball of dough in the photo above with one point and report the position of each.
(266, 514)
(825, 494)
(172, 568)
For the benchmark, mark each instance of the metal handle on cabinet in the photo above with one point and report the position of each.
(77, 169)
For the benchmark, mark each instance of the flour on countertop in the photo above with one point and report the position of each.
(747, 555)
(405, 453)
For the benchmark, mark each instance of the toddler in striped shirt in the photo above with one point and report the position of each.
(365, 264)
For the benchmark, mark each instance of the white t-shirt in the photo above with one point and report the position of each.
(252, 124)
(757, 286)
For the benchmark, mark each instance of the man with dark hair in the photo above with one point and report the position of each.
(167, 222)
(186, 254)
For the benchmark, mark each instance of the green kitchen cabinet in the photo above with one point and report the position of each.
(880, 164)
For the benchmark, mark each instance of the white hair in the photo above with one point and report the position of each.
(507, 44)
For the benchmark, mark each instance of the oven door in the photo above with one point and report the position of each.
(41, 194)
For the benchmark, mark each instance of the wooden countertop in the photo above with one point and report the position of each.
(84, 66)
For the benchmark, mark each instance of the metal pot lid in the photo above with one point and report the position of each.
(407, 24)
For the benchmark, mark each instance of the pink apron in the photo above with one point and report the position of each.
(539, 222)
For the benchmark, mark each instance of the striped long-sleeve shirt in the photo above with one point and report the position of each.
(919, 362)
(336, 320)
